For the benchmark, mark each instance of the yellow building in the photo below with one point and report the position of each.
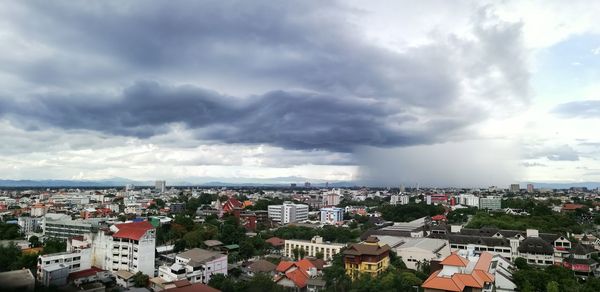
(366, 258)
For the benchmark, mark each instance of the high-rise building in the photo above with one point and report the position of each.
(515, 188)
(332, 215)
(160, 185)
(399, 199)
(490, 203)
(530, 188)
(307, 185)
(288, 212)
(331, 199)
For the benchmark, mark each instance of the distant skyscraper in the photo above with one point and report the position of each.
(530, 188)
(160, 185)
(402, 188)
(515, 188)
(307, 184)
(129, 187)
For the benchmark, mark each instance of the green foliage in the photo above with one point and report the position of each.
(9, 231)
(140, 280)
(54, 245)
(545, 223)
(460, 216)
(552, 278)
(11, 258)
(552, 287)
(259, 283)
(263, 204)
(521, 263)
(328, 232)
(34, 241)
(404, 213)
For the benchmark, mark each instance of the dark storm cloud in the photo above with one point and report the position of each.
(298, 120)
(579, 109)
(330, 88)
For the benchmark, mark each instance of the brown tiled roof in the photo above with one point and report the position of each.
(366, 249)
(262, 266)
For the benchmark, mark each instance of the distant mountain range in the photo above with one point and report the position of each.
(238, 182)
(224, 182)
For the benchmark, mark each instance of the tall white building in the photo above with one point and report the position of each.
(468, 200)
(331, 199)
(127, 246)
(399, 199)
(288, 212)
(53, 269)
(332, 215)
(196, 265)
(160, 185)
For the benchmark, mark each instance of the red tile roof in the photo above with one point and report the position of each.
(571, 207)
(455, 260)
(133, 230)
(284, 266)
(275, 241)
(299, 277)
(84, 273)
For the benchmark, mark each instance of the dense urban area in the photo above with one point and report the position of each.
(299, 238)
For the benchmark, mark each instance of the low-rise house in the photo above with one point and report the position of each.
(261, 266)
(196, 265)
(18, 280)
(580, 261)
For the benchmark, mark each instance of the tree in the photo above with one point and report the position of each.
(222, 282)
(34, 241)
(247, 250)
(296, 253)
(54, 245)
(179, 245)
(552, 287)
(9, 231)
(140, 280)
(521, 263)
(319, 255)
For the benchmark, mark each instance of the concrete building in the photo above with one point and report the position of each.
(332, 198)
(160, 185)
(415, 251)
(288, 213)
(530, 188)
(196, 265)
(53, 269)
(515, 188)
(490, 203)
(126, 246)
(62, 226)
(29, 224)
(399, 199)
(18, 280)
(312, 247)
(332, 215)
(468, 200)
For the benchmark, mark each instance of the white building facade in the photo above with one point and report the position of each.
(196, 265)
(332, 215)
(288, 213)
(312, 247)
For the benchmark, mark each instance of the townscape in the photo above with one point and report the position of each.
(300, 239)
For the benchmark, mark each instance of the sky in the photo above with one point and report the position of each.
(441, 93)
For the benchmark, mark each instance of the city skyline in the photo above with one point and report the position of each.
(441, 94)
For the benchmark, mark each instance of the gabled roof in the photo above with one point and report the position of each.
(455, 260)
(262, 266)
(304, 264)
(443, 283)
(275, 241)
(366, 249)
(132, 230)
(298, 276)
(284, 266)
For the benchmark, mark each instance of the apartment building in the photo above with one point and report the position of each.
(399, 199)
(195, 265)
(312, 247)
(61, 226)
(331, 199)
(29, 224)
(126, 246)
(332, 215)
(288, 213)
(490, 203)
(53, 269)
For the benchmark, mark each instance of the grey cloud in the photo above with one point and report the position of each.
(578, 109)
(330, 88)
(557, 153)
(533, 164)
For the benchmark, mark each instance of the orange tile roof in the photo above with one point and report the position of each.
(284, 266)
(469, 280)
(304, 264)
(455, 260)
(298, 276)
(133, 230)
(484, 262)
(443, 283)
